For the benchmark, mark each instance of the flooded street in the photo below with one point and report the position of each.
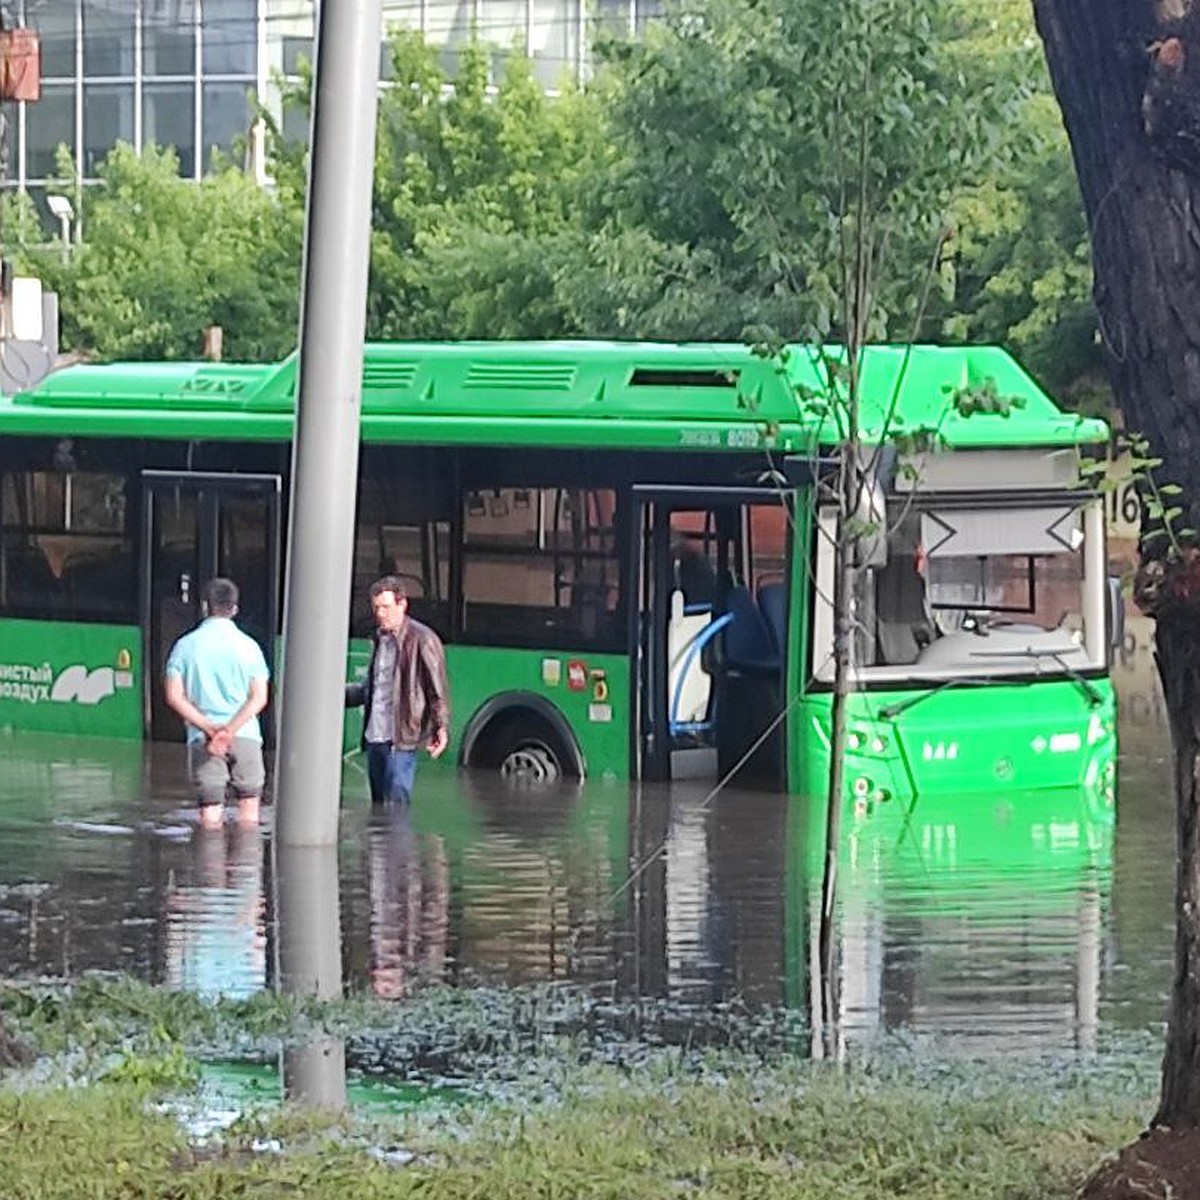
(1033, 917)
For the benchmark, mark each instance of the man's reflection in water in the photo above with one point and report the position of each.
(409, 883)
(216, 933)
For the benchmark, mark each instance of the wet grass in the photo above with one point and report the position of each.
(574, 1098)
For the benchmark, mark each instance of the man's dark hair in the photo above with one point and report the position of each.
(221, 597)
(389, 583)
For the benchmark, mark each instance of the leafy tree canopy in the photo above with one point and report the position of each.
(759, 140)
(1020, 271)
(161, 259)
(702, 186)
(476, 184)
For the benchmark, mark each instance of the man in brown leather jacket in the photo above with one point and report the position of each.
(405, 695)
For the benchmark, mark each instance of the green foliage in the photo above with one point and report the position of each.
(983, 398)
(708, 183)
(1160, 510)
(1018, 269)
(745, 1116)
(794, 1130)
(775, 141)
(471, 185)
(169, 1068)
(162, 258)
(1022, 266)
(96, 1142)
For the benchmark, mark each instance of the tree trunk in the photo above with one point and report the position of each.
(1179, 667)
(1127, 76)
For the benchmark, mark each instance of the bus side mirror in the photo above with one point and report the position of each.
(1116, 613)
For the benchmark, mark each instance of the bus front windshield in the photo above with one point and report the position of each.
(971, 589)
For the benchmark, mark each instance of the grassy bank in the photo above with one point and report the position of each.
(571, 1102)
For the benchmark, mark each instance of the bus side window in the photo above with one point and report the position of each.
(403, 529)
(540, 566)
(66, 551)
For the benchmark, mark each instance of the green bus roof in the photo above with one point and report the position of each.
(635, 395)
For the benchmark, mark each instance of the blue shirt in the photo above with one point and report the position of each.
(217, 663)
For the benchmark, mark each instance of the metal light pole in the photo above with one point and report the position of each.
(328, 408)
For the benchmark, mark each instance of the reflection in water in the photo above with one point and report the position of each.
(534, 876)
(408, 883)
(1034, 916)
(216, 939)
(306, 896)
(306, 916)
(976, 919)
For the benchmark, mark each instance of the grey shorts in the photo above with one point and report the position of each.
(212, 773)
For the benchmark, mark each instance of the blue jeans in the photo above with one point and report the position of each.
(390, 773)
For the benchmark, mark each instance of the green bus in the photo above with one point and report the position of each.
(627, 548)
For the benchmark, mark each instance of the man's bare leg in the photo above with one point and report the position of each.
(248, 810)
(212, 816)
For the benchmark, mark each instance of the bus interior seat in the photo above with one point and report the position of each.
(772, 602)
(903, 621)
(749, 644)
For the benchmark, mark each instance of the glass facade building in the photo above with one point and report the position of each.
(186, 73)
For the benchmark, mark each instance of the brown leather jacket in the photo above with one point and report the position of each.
(420, 688)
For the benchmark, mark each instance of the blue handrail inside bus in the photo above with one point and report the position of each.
(698, 643)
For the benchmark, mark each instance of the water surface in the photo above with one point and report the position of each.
(1040, 919)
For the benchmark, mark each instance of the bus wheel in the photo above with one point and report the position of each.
(527, 742)
(533, 762)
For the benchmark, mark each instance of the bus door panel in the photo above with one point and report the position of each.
(711, 634)
(197, 525)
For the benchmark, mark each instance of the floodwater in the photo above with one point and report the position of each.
(1033, 917)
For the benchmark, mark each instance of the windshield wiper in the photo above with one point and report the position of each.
(888, 711)
(1088, 689)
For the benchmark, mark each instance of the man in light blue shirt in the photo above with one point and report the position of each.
(216, 680)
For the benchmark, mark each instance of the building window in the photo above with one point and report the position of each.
(229, 32)
(553, 36)
(226, 118)
(296, 49)
(107, 119)
(646, 11)
(296, 124)
(56, 28)
(48, 124)
(168, 37)
(168, 119)
(108, 38)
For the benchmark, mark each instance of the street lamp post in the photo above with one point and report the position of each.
(60, 207)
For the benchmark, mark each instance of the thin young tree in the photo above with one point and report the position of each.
(890, 142)
(783, 166)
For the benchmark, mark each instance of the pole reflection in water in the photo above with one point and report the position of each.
(310, 965)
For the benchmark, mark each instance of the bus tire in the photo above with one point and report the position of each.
(530, 762)
(525, 743)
